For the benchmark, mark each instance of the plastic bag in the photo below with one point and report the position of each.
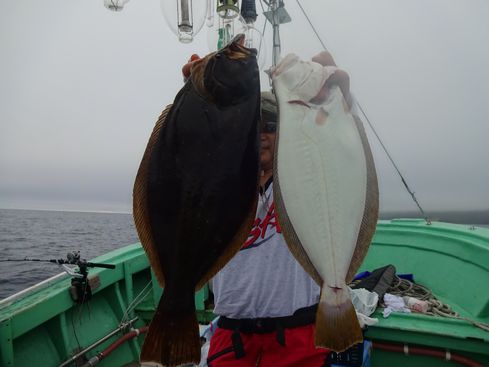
(364, 301)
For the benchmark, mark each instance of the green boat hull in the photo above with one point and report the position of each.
(451, 260)
(43, 326)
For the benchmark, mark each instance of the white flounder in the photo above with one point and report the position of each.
(326, 191)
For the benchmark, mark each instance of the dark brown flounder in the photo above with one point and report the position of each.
(195, 192)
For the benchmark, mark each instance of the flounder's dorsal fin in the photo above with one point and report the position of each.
(371, 210)
(139, 204)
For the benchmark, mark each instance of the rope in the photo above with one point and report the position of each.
(312, 26)
(403, 287)
(136, 301)
(428, 221)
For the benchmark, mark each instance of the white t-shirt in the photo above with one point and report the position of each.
(263, 279)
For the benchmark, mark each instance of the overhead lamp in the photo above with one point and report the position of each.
(223, 31)
(230, 23)
(185, 18)
(253, 37)
(211, 10)
(248, 11)
(227, 9)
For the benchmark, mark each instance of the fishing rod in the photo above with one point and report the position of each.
(80, 290)
(73, 258)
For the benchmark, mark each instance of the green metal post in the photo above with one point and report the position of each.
(6, 346)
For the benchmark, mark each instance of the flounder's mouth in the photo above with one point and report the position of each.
(228, 73)
(236, 49)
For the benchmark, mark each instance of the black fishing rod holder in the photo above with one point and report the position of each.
(81, 286)
(80, 290)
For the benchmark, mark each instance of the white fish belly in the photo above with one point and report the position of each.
(323, 179)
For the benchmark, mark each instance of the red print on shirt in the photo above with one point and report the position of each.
(260, 232)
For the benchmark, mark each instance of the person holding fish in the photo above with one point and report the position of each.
(266, 301)
(279, 256)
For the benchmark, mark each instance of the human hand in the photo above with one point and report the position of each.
(324, 58)
(339, 78)
(187, 68)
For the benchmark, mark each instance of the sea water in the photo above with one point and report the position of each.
(52, 235)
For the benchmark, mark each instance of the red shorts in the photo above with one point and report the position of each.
(264, 350)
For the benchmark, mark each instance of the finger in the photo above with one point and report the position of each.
(322, 95)
(194, 57)
(324, 58)
(187, 68)
(339, 78)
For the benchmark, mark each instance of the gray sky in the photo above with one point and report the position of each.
(81, 88)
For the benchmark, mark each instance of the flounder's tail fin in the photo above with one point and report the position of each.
(173, 337)
(337, 326)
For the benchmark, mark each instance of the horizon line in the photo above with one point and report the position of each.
(130, 212)
(71, 210)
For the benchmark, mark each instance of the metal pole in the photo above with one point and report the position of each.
(276, 32)
(98, 342)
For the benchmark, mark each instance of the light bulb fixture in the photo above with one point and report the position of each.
(185, 18)
(248, 11)
(254, 39)
(115, 5)
(223, 31)
(211, 10)
(227, 9)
